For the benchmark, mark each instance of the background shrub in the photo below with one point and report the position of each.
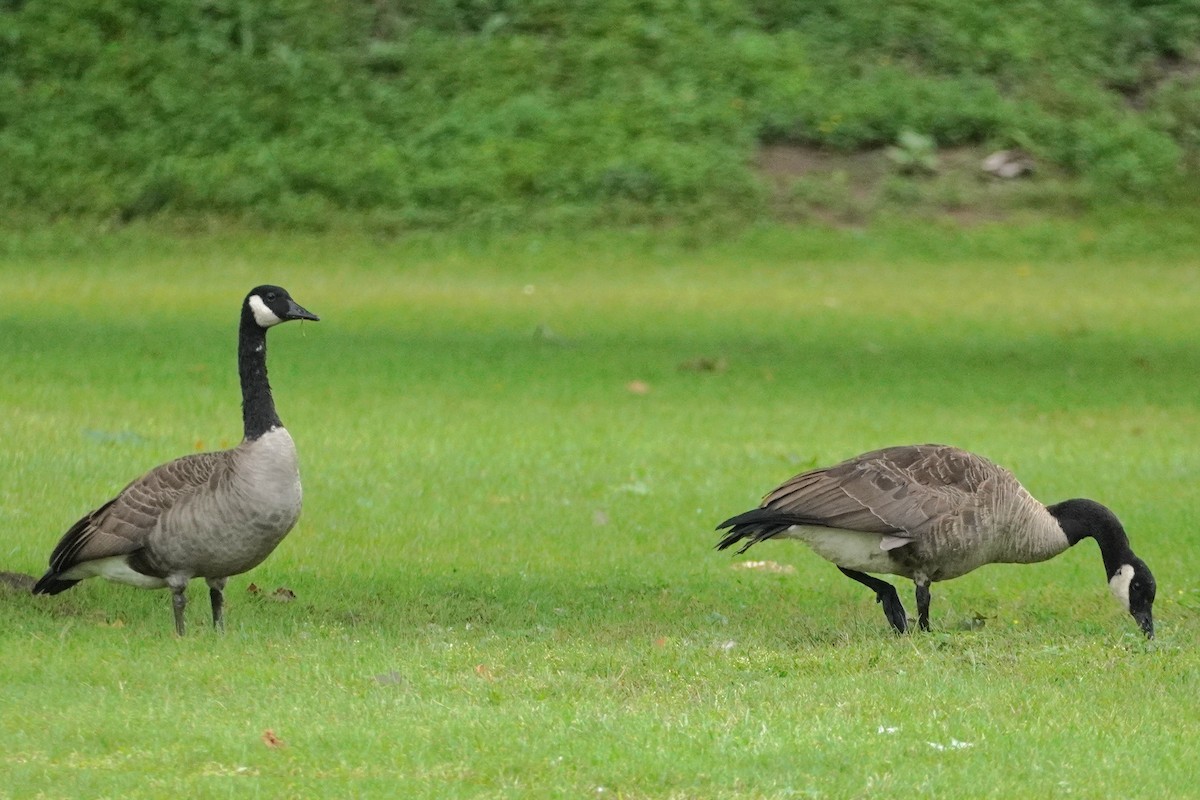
(436, 110)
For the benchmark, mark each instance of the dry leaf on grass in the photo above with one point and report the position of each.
(638, 387)
(483, 671)
(271, 740)
(280, 595)
(765, 566)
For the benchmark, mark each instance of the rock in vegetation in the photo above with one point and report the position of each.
(1008, 164)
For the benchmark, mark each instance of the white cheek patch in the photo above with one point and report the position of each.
(1119, 584)
(264, 316)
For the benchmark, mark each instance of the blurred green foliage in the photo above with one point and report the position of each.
(433, 110)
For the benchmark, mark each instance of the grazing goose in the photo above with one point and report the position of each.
(931, 513)
(207, 515)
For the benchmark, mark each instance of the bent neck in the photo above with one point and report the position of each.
(1081, 519)
(258, 406)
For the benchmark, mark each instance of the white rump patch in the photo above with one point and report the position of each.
(1120, 584)
(264, 316)
(857, 550)
(114, 568)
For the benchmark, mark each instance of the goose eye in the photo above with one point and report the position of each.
(271, 296)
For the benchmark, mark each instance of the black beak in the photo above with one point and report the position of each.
(296, 311)
(1145, 622)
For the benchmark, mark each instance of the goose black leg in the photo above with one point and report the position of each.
(923, 604)
(885, 594)
(179, 601)
(216, 595)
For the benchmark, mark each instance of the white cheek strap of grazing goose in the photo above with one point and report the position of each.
(264, 316)
(1119, 584)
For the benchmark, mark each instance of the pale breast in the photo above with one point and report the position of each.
(1031, 533)
(1010, 527)
(239, 520)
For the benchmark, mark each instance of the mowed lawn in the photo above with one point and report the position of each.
(514, 453)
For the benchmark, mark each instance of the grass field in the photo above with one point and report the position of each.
(514, 453)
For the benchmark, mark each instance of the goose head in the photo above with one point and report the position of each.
(1133, 586)
(270, 305)
(1129, 579)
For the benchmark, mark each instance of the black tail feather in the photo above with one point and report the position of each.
(757, 525)
(51, 583)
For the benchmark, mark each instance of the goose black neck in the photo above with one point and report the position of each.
(258, 406)
(1080, 519)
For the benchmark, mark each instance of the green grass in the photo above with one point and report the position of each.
(504, 576)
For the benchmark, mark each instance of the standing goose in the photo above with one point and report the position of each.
(931, 513)
(207, 515)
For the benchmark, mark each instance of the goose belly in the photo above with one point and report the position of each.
(857, 550)
(219, 546)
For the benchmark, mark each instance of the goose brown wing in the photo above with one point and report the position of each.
(899, 491)
(121, 525)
